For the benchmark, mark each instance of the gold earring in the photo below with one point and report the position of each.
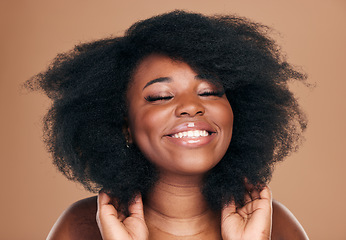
(127, 143)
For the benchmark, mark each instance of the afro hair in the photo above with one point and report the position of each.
(83, 128)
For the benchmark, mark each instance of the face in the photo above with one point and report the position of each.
(180, 121)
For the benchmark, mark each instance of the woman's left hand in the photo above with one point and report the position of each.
(253, 220)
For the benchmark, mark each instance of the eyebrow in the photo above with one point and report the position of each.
(156, 80)
(208, 78)
(205, 77)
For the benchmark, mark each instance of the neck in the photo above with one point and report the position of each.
(176, 208)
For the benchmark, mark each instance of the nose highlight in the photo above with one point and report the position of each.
(189, 107)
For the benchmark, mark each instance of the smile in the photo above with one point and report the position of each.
(191, 134)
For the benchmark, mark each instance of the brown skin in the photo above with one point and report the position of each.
(79, 222)
(151, 122)
(175, 207)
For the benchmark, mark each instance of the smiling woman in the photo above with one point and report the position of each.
(179, 122)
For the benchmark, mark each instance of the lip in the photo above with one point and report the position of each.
(192, 142)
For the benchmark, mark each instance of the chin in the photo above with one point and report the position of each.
(193, 165)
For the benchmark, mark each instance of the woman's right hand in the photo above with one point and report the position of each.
(114, 226)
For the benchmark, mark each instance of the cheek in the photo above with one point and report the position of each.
(227, 118)
(146, 124)
(224, 115)
(147, 129)
(225, 122)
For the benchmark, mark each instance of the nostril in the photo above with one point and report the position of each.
(189, 109)
(189, 114)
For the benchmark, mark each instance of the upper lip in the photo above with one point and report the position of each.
(186, 126)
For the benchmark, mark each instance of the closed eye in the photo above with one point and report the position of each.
(212, 93)
(158, 98)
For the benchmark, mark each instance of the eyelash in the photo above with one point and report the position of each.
(212, 93)
(156, 98)
(204, 94)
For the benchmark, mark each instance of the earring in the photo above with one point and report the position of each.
(127, 143)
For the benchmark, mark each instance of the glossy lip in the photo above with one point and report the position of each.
(192, 142)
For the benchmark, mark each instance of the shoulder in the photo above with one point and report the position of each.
(285, 224)
(77, 222)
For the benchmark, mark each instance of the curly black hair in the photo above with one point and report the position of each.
(83, 128)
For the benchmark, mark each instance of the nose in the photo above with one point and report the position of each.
(189, 106)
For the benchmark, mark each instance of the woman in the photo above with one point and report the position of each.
(179, 123)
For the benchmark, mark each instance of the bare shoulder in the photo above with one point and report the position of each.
(285, 224)
(77, 222)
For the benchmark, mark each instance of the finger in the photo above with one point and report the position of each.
(115, 202)
(252, 189)
(252, 195)
(228, 210)
(107, 219)
(266, 193)
(105, 206)
(264, 201)
(103, 198)
(136, 208)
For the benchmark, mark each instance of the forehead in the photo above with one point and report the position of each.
(156, 66)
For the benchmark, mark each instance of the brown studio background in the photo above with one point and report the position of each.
(310, 183)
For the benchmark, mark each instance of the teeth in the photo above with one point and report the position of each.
(191, 134)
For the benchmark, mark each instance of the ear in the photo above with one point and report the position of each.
(126, 131)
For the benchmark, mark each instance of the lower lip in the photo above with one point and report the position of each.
(192, 142)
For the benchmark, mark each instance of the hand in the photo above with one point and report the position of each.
(114, 226)
(253, 220)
